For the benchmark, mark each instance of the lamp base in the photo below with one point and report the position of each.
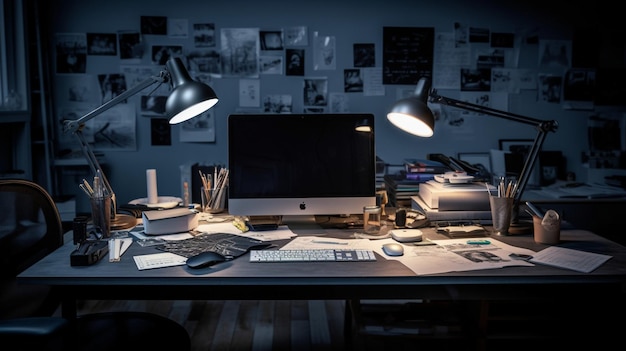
(520, 228)
(123, 221)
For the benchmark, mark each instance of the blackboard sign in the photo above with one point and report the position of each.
(407, 54)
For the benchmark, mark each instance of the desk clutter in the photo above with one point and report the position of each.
(447, 247)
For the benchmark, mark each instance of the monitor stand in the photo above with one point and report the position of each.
(302, 224)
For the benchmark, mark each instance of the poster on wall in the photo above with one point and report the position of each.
(407, 54)
(204, 34)
(324, 52)
(199, 129)
(71, 52)
(240, 52)
(114, 129)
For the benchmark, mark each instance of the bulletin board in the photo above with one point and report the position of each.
(407, 54)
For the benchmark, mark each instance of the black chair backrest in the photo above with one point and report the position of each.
(30, 229)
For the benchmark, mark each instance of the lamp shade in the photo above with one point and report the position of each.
(412, 114)
(188, 98)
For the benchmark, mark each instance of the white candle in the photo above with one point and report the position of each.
(151, 180)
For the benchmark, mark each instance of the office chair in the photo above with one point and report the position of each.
(31, 228)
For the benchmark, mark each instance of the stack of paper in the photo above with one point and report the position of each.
(456, 197)
(434, 214)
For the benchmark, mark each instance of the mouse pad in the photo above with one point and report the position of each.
(229, 245)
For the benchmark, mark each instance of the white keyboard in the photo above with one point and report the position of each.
(311, 255)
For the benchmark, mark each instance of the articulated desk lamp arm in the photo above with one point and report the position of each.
(188, 99)
(413, 115)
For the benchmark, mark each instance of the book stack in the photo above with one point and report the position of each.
(400, 189)
(423, 170)
(452, 202)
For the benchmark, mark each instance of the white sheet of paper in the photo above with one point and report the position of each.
(320, 242)
(451, 255)
(281, 233)
(580, 261)
(159, 260)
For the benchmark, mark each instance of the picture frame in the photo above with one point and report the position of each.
(516, 153)
(552, 167)
(516, 145)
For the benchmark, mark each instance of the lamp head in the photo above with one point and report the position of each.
(412, 114)
(188, 98)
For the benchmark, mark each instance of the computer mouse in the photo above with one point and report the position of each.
(393, 249)
(205, 259)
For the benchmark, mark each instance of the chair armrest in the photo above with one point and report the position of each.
(37, 327)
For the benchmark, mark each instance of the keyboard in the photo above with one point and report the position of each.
(313, 255)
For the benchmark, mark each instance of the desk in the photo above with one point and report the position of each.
(240, 280)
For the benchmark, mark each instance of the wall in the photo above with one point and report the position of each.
(349, 22)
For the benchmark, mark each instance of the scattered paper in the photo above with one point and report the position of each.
(580, 261)
(159, 260)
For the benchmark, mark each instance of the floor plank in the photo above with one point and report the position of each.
(245, 325)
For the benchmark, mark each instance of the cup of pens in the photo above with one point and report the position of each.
(214, 190)
(502, 207)
(101, 215)
(213, 199)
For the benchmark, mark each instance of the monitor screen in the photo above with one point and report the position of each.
(300, 164)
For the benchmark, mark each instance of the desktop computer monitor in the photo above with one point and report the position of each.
(299, 165)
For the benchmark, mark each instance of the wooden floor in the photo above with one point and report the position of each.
(319, 324)
(247, 325)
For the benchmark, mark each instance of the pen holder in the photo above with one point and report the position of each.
(501, 210)
(547, 230)
(213, 200)
(101, 215)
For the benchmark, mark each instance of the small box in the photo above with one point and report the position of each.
(176, 220)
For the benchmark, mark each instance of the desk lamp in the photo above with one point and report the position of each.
(413, 116)
(187, 99)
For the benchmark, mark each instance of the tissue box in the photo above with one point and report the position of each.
(176, 220)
